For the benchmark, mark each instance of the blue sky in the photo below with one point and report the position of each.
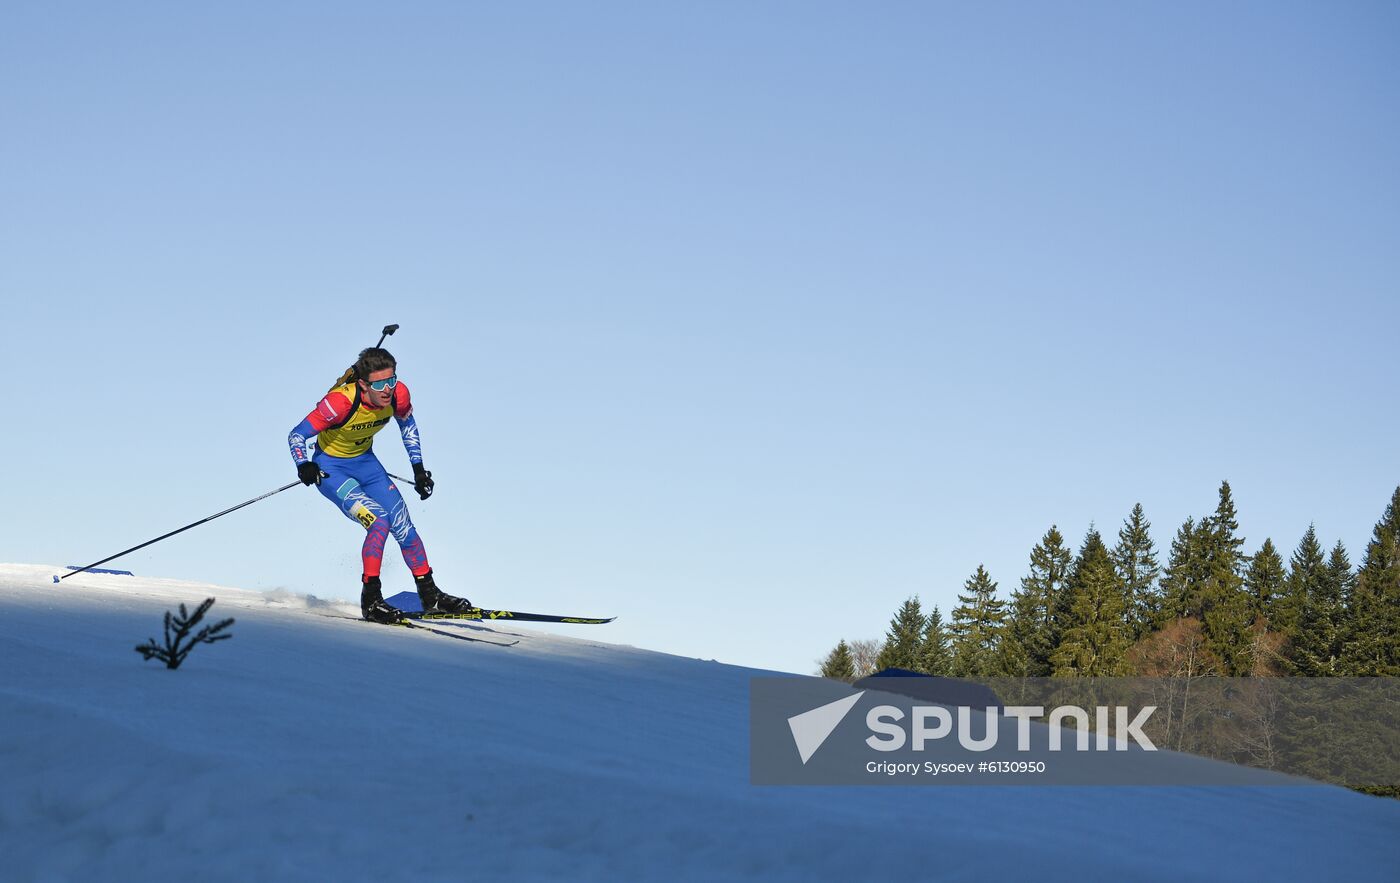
(742, 322)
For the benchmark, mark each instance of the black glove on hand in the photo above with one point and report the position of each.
(309, 473)
(422, 481)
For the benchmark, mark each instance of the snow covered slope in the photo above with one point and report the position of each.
(314, 746)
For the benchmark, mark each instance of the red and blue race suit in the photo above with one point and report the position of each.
(356, 481)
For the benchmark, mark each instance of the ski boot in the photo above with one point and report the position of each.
(437, 601)
(373, 607)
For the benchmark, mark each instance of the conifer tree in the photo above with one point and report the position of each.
(1341, 575)
(1225, 561)
(1230, 636)
(1265, 582)
(1135, 559)
(1373, 641)
(978, 621)
(1317, 649)
(1305, 575)
(839, 665)
(1025, 647)
(1095, 639)
(1224, 605)
(935, 653)
(1032, 629)
(1218, 595)
(1186, 571)
(904, 639)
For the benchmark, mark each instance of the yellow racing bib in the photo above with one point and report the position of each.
(355, 436)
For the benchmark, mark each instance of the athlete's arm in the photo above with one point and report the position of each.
(331, 411)
(403, 412)
(408, 427)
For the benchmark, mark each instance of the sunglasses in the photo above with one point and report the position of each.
(386, 383)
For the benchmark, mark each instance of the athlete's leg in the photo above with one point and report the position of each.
(387, 496)
(382, 490)
(344, 486)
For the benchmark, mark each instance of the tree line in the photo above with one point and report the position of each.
(1115, 612)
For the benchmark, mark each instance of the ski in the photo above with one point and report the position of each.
(479, 614)
(412, 606)
(427, 628)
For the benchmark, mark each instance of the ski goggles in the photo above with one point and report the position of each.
(386, 383)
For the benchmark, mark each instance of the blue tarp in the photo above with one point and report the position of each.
(407, 602)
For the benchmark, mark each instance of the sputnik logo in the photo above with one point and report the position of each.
(811, 728)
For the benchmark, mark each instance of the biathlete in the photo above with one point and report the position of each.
(348, 474)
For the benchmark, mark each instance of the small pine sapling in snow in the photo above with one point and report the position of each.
(177, 629)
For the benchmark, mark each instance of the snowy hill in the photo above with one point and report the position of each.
(314, 746)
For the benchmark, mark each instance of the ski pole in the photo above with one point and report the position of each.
(181, 530)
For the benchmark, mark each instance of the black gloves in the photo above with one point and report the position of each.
(309, 473)
(422, 481)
